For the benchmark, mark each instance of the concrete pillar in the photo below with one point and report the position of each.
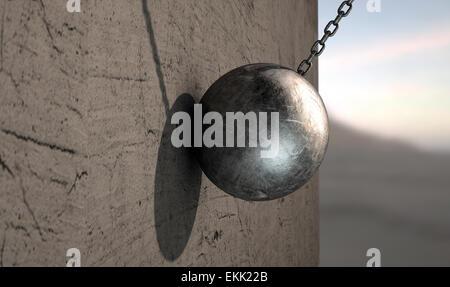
(84, 154)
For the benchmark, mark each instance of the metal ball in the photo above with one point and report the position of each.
(303, 132)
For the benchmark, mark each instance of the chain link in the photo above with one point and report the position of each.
(319, 45)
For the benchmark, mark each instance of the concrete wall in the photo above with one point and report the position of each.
(84, 157)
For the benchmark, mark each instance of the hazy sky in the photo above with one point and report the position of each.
(388, 72)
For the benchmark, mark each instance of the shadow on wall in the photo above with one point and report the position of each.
(177, 188)
(178, 175)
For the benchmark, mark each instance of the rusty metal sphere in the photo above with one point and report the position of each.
(302, 135)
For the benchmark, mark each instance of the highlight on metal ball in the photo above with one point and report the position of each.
(264, 132)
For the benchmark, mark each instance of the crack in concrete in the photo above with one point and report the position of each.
(19, 228)
(120, 78)
(47, 26)
(59, 181)
(44, 19)
(10, 76)
(72, 28)
(152, 131)
(27, 205)
(2, 29)
(78, 176)
(38, 142)
(75, 110)
(5, 166)
(2, 248)
(227, 215)
(2, 43)
(23, 47)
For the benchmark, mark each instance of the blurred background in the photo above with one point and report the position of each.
(385, 182)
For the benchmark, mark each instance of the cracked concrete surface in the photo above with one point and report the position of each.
(84, 99)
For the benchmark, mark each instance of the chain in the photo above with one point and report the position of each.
(318, 46)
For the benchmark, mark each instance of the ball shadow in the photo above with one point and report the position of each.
(177, 187)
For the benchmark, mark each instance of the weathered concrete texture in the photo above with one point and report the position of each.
(84, 155)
